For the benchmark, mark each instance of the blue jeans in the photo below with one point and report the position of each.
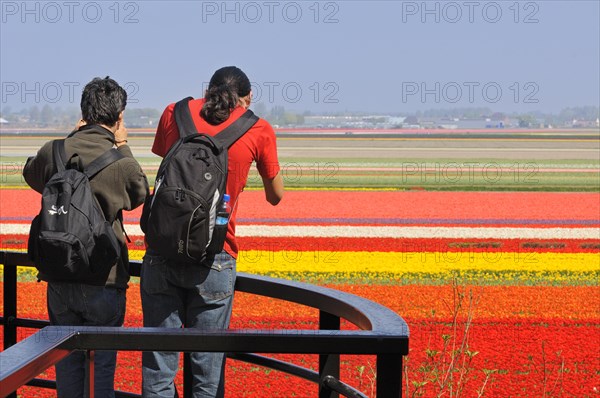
(74, 304)
(192, 296)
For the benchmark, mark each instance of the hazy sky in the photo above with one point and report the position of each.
(325, 56)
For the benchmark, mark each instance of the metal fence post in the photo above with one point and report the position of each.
(389, 376)
(187, 376)
(10, 306)
(329, 364)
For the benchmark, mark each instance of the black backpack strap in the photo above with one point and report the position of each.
(102, 161)
(99, 164)
(59, 154)
(234, 131)
(183, 118)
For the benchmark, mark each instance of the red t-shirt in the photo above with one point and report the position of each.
(258, 144)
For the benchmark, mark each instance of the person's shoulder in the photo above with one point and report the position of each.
(45, 153)
(128, 168)
(193, 102)
(169, 109)
(48, 145)
(48, 148)
(263, 126)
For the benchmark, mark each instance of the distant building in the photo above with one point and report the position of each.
(353, 121)
(448, 126)
(411, 120)
(584, 123)
(465, 124)
(3, 121)
(395, 120)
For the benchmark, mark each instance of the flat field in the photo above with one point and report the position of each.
(490, 253)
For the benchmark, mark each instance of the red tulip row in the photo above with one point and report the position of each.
(501, 208)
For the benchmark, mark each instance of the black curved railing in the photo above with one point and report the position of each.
(383, 333)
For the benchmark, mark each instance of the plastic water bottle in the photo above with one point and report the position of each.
(223, 212)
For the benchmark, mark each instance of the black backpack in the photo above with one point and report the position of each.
(178, 219)
(70, 240)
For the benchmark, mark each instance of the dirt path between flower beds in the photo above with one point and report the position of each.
(390, 148)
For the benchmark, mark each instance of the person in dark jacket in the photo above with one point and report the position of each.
(120, 186)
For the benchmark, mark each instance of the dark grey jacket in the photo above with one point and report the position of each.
(120, 186)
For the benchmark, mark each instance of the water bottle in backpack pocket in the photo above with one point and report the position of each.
(221, 224)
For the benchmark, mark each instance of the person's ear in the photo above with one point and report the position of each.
(119, 120)
(245, 101)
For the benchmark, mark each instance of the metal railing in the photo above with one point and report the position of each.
(382, 333)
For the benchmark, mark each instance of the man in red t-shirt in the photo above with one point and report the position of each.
(201, 296)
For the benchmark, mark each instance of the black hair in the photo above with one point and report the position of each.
(102, 101)
(226, 87)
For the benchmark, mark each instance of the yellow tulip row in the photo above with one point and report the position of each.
(485, 266)
(499, 266)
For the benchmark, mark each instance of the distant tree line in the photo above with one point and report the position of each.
(48, 116)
